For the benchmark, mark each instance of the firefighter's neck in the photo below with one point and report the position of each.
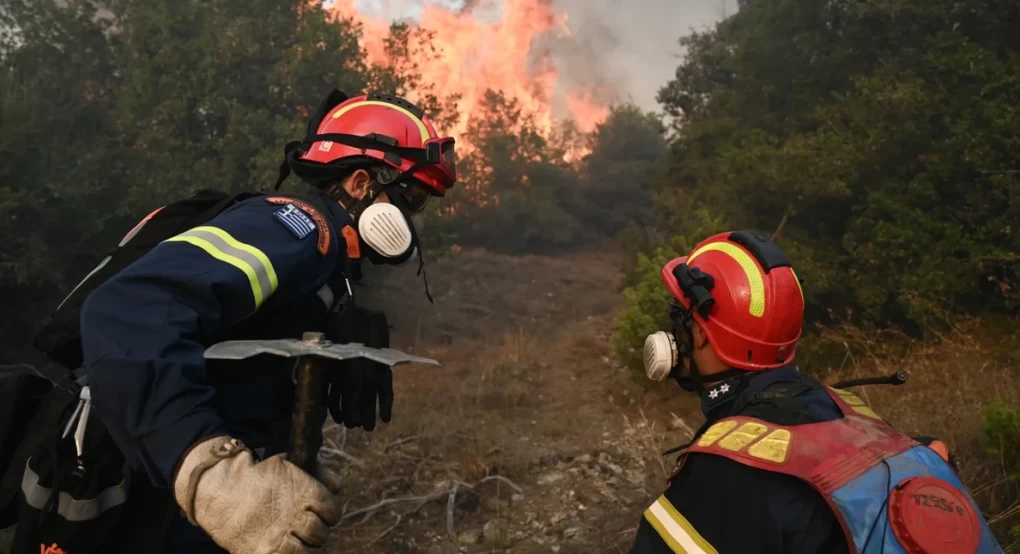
(708, 363)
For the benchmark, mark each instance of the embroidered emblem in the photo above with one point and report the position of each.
(309, 211)
(295, 220)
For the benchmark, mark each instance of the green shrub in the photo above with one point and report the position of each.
(647, 296)
(1002, 431)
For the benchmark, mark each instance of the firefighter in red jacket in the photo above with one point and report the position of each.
(784, 464)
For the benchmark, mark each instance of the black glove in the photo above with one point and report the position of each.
(359, 383)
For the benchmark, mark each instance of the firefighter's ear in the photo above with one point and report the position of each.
(357, 184)
(700, 339)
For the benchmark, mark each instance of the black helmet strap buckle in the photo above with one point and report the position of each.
(696, 285)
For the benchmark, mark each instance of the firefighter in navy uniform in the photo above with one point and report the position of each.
(784, 464)
(205, 439)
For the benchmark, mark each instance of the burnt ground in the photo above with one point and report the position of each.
(533, 438)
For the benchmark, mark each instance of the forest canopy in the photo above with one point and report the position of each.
(111, 109)
(876, 141)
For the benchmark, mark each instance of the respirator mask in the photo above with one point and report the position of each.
(391, 236)
(387, 233)
(664, 351)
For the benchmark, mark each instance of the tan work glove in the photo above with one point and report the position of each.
(270, 507)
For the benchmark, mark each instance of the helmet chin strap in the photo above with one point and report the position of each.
(695, 380)
(355, 207)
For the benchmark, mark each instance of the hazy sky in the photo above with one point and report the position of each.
(632, 51)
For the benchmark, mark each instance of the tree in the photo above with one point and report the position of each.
(873, 138)
(57, 74)
(626, 162)
(511, 179)
(111, 109)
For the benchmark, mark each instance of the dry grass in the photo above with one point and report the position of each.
(516, 387)
(950, 383)
(488, 412)
(530, 385)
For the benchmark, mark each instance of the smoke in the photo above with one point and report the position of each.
(613, 50)
(626, 51)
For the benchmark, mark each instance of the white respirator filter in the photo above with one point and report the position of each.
(384, 228)
(660, 355)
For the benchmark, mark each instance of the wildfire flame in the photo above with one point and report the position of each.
(472, 56)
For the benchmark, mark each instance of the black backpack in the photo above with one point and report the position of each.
(61, 502)
(60, 336)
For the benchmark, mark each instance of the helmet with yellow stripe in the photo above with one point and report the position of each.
(740, 289)
(387, 129)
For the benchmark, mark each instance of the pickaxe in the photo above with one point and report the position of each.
(310, 390)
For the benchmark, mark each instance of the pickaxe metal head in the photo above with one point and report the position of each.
(311, 382)
(311, 344)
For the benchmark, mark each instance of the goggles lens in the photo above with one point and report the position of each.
(442, 152)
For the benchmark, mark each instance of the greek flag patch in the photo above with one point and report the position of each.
(295, 220)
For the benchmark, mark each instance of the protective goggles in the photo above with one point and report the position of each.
(441, 155)
(414, 197)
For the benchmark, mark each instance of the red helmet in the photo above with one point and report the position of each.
(408, 141)
(743, 293)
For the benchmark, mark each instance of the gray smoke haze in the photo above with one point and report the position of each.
(625, 50)
(628, 49)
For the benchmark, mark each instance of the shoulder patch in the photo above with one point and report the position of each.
(353, 246)
(295, 220)
(301, 219)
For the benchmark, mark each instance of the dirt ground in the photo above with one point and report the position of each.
(531, 418)
(532, 438)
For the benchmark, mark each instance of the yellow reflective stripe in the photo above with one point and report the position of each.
(716, 431)
(743, 436)
(773, 447)
(250, 260)
(421, 124)
(258, 254)
(800, 288)
(754, 275)
(675, 530)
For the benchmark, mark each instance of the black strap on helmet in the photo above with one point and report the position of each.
(325, 175)
(696, 285)
(321, 175)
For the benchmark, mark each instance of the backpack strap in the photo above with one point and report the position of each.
(225, 203)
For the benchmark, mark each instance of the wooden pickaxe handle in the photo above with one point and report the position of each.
(310, 393)
(309, 414)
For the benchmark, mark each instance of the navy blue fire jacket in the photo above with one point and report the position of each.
(718, 505)
(239, 276)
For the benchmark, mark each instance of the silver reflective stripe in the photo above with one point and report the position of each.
(250, 260)
(131, 234)
(101, 265)
(70, 509)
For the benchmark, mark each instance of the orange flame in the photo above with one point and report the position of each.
(472, 56)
